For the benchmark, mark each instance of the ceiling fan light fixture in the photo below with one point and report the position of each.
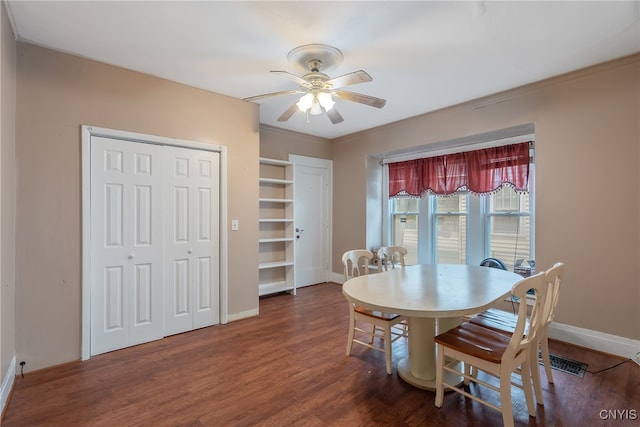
(315, 108)
(305, 102)
(326, 100)
(315, 103)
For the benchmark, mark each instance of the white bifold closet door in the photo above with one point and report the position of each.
(154, 242)
(191, 239)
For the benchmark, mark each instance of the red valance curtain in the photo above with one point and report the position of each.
(479, 171)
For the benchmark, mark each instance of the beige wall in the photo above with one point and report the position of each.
(56, 94)
(587, 182)
(278, 144)
(7, 193)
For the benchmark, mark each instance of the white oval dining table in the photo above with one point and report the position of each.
(433, 297)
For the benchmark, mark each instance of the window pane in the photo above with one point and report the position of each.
(405, 233)
(451, 244)
(451, 229)
(507, 200)
(509, 235)
(510, 238)
(455, 204)
(407, 204)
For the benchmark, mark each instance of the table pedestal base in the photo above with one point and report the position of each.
(419, 368)
(404, 372)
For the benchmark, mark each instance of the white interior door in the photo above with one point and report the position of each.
(126, 244)
(312, 219)
(191, 239)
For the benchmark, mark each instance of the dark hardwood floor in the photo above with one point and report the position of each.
(287, 367)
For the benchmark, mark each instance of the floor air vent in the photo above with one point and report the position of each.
(567, 365)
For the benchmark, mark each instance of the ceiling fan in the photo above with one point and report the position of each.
(318, 89)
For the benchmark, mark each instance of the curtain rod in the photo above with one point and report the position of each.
(457, 149)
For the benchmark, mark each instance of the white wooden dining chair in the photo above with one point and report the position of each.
(495, 353)
(389, 256)
(381, 333)
(505, 322)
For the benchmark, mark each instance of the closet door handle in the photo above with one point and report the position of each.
(189, 251)
(131, 255)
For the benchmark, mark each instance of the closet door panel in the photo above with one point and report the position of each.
(191, 215)
(126, 244)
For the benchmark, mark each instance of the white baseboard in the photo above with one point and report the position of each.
(594, 340)
(599, 341)
(337, 278)
(7, 383)
(243, 315)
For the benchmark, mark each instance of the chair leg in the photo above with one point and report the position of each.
(535, 375)
(352, 325)
(439, 375)
(526, 385)
(373, 334)
(544, 345)
(387, 348)
(468, 370)
(505, 399)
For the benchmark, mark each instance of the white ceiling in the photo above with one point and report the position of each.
(422, 55)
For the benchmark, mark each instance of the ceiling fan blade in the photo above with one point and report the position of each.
(268, 95)
(334, 116)
(287, 114)
(362, 99)
(356, 77)
(302, 82)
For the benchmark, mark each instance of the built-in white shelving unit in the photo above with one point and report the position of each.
(276, 236)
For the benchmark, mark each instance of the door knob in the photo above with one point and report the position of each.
(189, 251)
(131, 255)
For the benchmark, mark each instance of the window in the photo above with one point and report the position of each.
(465, 227)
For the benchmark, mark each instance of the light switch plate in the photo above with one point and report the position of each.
(235, 225)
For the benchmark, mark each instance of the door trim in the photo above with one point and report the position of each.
(328, 165)
(87, 132)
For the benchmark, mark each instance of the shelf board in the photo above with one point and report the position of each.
(276, 200)
(275, 181)
(265, 161)
(273, 287)
(275, 220)
(276, 239)
(264, 265)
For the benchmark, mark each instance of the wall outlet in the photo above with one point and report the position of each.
(235, 225)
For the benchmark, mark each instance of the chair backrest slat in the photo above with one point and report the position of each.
(523, 336)
(555, 276)
(389, 255)
(356, 263)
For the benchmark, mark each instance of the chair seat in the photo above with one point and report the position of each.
(376, 314)
(475, 340)
(498, 320)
